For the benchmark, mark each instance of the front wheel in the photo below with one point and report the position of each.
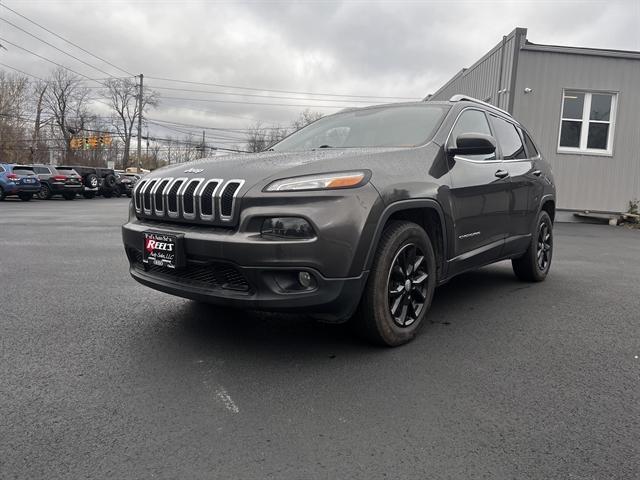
(400, 286)
(45, 192)
(534, 265)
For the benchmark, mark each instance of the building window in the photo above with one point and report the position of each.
(587, 122)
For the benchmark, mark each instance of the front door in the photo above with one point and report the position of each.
(480, 198)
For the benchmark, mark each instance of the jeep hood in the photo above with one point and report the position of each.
(262, 168)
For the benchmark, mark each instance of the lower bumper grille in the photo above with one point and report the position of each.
(204, 274)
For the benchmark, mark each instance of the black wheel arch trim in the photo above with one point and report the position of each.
(411, 204)
(545, 199)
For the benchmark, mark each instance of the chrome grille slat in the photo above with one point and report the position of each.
(227, 199)
(137, 195)
(157, 195)
(210, 201)
(188, 198)
(206, 198)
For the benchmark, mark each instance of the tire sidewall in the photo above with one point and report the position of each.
(543, 217)
(388, 330)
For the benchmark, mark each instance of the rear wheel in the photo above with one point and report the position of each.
(534, 265)
(2, 194)
(400, 286)
(25, 197)
(45, 192)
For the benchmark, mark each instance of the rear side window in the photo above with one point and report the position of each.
(472, 121)
(1, 169)
(531, 148)
(23, 171)
(509, 139)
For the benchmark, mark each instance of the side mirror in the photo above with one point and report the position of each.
(473, 144)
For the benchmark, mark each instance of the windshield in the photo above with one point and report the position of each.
(395, 126)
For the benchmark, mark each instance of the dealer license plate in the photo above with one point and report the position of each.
(163, 250)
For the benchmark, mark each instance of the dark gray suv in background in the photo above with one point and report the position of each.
(360, 215)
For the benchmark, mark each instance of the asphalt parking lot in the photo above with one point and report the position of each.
(103, 378)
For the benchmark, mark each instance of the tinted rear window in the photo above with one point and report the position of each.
(23, 171)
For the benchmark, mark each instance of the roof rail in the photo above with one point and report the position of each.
(459, 98)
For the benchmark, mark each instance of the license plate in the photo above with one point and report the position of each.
(163, 250)
(28, 180)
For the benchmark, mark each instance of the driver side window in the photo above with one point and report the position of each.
(472, 121)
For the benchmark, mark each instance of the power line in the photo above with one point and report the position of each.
(67, 41)
(46, 59)
(279, 91)
(53, 46)
(252, 103)
(258, 96)
(20, 71)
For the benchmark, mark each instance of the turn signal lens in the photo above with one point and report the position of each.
(327, 181)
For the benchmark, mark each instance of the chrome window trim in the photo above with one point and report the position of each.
(165, 196)
(198, 193)
(136, 191)
(159, 211)
(228, 218)
(189, 216)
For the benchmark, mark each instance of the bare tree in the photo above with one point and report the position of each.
(13, 99)
(66, 99)
(260, 138)
(123, 97)
(38, 92)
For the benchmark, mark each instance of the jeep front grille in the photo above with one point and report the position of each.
(211, 201)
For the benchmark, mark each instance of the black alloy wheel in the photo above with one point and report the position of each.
(534, 265)
(407, 285)
(545, 244)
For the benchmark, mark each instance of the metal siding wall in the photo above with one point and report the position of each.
(584, 182)
(482, 79)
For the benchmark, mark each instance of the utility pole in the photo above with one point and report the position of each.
(140, 123)
(203, 147)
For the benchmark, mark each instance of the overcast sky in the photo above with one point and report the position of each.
(387, 48)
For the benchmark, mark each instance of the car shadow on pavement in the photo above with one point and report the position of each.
(206, 324)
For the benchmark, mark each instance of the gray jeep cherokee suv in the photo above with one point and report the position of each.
(360, 215)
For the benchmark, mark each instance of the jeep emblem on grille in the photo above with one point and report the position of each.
(194, 170)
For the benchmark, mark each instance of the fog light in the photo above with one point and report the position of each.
(287, 227)
(305, 279)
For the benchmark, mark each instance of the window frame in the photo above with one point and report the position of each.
(585, 121)
(498, 152)
(518, 132)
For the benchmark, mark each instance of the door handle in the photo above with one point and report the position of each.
(502, 174)
(537, 173)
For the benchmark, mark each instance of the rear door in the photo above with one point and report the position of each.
(522, 175)
(479, 196)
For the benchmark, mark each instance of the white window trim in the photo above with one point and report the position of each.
(584, 131)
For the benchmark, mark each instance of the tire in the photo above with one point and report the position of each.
(2, 194)
(69, 196)
(116, 192)
(89, 195)
(91, 181)
(45, 192)
(110, 181)
(534, 265)
(25, 197)
(379, 318)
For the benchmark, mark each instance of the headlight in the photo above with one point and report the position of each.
(327, 181)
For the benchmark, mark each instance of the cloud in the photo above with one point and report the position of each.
(386, 48)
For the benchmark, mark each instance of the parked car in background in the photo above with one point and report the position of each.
(18, 180)
(109, 184)
(128, 181)
(89, 179)
(66, 183)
